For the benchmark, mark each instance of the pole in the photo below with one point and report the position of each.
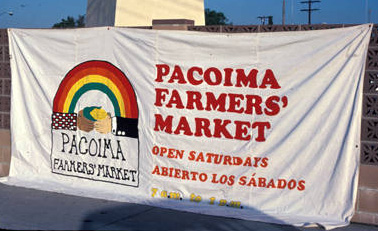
(309, 9)
(292, 13)
(309, 12)
(283, 13)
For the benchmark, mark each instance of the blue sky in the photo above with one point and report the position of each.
(44, 13)
(331, 11)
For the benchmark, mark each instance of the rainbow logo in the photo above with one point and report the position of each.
(101, 76)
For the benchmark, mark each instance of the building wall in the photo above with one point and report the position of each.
(100, 13)
(367, 204)
(141, 13)
(5, 90)
(367, 199)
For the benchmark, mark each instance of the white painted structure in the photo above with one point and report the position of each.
(142, 12)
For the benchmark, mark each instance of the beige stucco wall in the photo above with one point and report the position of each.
(141, 13)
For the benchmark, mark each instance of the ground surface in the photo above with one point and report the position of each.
(30, 209)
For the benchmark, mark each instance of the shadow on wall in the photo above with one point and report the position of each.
(152, 218)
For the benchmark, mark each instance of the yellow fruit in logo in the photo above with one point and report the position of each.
(98, 114)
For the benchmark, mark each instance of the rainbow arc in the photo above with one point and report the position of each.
(96, 76)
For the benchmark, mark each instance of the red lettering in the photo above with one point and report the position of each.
(253, 102)
(237, 160)
(227, 77)
(175, 99)
(261, 130)
(194, 97)
(183, 125)
(220, 128)
(301, 185)
(248, 162)
(271, 184)
(227, 160)
(292, 184)
(155, 150)
(249, 80)
(214, 77)
(164, 171)
(177, 75)
(185, 175)
(160, 96)
(242, 180)
(200, 157)
(192, 155)
(235, 101)
(216, 73)
(281, 183)
(241, 130)
(156, 170)
(256, 159)
(264, 162)
(162, 70)
(161, 124)
(273, 108)
(269, 79)
(202, 124)
(177, 173)
(262, 182)
(191, 78)
(213, 103)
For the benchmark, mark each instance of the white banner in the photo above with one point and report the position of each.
(262, 127)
